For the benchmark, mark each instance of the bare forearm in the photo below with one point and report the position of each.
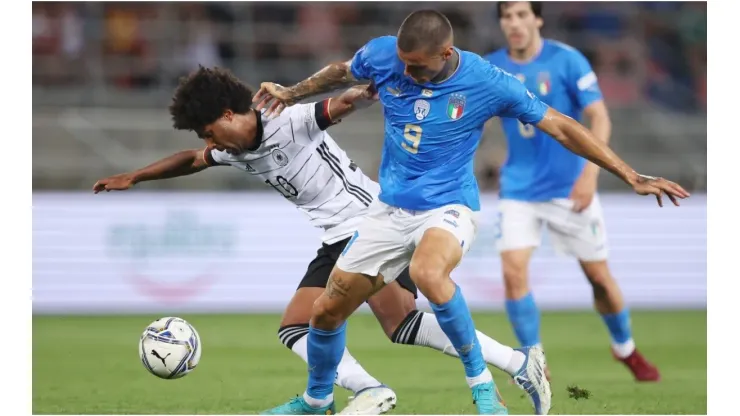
(349, 102)
(182, 163)
(332, 77)
(601, 128)
(578, 139)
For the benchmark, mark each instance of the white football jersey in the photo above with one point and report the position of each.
(300, 160)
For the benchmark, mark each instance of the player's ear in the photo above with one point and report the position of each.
(447, 54)
(228, 115)
(540, 22)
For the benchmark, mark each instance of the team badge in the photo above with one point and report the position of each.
(279, 157)
(543, 83)
(455, 106)
(421, 109)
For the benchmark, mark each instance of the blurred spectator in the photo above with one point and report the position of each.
(58, 42)
(223, 19)
(652, 51)
(199, 45)
(317, 37)
(692, 27)
(669, 77)
(605, 20)
(129, 55)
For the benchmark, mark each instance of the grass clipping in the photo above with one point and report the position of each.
(577, 393)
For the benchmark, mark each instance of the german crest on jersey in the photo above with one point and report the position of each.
(543, 83)
(455, 106)
(279, 157)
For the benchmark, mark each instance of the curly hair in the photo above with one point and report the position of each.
(202, 97)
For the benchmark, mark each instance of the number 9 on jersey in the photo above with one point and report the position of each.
(412, 138)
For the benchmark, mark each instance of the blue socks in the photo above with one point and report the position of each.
(455, 320)
(619, 326)
(325, 350)
(525, 319)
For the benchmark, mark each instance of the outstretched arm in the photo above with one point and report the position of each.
(578, 139)
(332, 77)
(510, 98)
(181, 163)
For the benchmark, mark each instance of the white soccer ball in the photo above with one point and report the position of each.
(170, 348)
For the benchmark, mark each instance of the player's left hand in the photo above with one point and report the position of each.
(583, 193)
(274, 97)
(649, 185)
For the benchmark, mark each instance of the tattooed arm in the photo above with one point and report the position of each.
(333, 77)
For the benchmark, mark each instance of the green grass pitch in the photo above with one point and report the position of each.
(89, 365)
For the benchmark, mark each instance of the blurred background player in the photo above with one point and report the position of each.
(544, 184)
(295, 156)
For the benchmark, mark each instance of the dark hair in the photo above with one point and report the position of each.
(202, 97)
(424, 29)
(535, 5)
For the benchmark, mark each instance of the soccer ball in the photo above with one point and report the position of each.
(170, 348)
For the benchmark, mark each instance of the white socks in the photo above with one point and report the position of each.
(421, 328)
(352, 376)
(484, 377)
(625, 349)
(316, 403)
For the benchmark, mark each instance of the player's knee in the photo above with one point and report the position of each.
(326, 314)
(431, 281)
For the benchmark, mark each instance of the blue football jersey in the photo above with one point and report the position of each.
(432, 130)
(538, 168)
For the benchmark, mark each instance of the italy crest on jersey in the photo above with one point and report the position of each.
(543, 83)
(455, 106)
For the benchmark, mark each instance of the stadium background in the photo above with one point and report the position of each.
(218, 242)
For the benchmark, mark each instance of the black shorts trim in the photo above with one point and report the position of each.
(318, 271)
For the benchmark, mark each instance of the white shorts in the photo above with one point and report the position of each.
(385, 240)
(582, 235)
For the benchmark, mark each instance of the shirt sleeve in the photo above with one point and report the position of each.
(308, 121)
(583, 84)
(508, 97)
(215, 157)
(371, 57)
(316, 115)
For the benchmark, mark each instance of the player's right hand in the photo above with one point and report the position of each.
(361, 96)
(273, 97)
(114, 183)
(649, 185)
